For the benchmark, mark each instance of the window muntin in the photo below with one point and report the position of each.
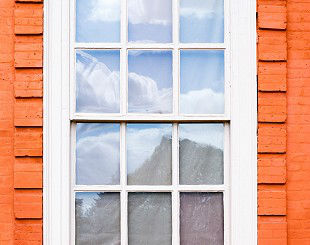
(177, 117)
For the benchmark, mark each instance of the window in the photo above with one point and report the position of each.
(150, 122)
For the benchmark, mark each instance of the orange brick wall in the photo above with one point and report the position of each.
(272, 121)
(298, 122)
(283, 30)
(21, 28)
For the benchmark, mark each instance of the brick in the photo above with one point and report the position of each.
(28, 204)
(28, 52)
(28, 112)
(271, 138)
(271, 107)
(272, 45)
(28, 173)
(271, 168)
(271, 200)
(272, 17)
(28, 232)
(28, 83)
(28, 19)
(272, 76)
(28, 142)
(272, 230)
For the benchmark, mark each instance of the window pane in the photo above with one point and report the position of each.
(150, 21)
(98, 20)
(202, 82)
(97, 218)
(150, 81)
(97, 153)
(149, 154)
(202, 21)
(97, 81)
(149, 218)
(202, 218)
(201, 154)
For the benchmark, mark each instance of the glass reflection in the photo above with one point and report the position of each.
(202, 82)
(202, 21)
(97, 153)
(202, 218)
(150, 81)
(98, 20)
(150, 21)
(201, 154)
(97, 218)
(97, 81)
(149, 219)
(149, 154)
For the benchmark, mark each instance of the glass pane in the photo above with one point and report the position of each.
(149, 219)
(150, 21)
(202, 21)
(97, 153)
(149, 154)
(202, 218)
(98, 20)
(201, 154)
(202, 82)
(150, 81)
(97, 81)
(97, 218)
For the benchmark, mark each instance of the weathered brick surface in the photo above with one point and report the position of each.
(271, 168)
(271, 107)
(28, 112)
(272, 230)
(28, 83)
(298, 143)
(272, 45)
(272, 117)
(28, 52)
(272, 76)
(28, 19)
(6, 121)
(271, 200)
(28, 204)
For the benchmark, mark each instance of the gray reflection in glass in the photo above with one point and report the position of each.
(97, 81)
(201, 154)
(202, 218)
(150, 81)
(149, 219)
(98, 20)
(97, 218)
(202, 82)
(202, 21)
(97, 154)
(149, 154)
(150, 21)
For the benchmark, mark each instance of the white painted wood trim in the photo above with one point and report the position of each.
(56, 124)
(243, 123)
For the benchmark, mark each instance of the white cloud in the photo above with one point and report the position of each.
(201, 8)
(149, 12)
(105, 10)
(98, 158)
(207, 134)
(205, 101)
(145, 94)
(141, 144)
(98, 85)
(98, 89)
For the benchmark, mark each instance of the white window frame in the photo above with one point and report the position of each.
(240, 99)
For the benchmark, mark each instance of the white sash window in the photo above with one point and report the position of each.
(150, 122)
